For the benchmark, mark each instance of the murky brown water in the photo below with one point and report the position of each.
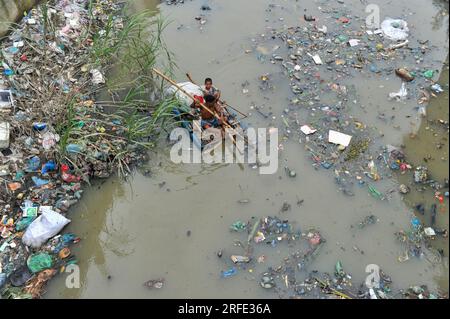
(137, 230)
(422, 145)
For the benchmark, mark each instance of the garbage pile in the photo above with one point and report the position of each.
(417, 242)
(53, 136)
(318, 285)
(294, 276)
(319, 58)
(272, 232)
(422, 292)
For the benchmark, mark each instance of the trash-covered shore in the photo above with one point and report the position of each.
(54, 136)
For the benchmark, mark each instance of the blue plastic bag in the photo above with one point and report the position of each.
(229, 273)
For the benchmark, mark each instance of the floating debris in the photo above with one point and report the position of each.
(155, 283)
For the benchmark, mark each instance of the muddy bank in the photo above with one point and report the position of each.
(429, 147)
(172, 222)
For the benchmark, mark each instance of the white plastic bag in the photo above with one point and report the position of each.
(395, 29)
(189, 87)
(400, 95)
(97, 77)
(44, 227)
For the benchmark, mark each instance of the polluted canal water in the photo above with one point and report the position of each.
(173, 221)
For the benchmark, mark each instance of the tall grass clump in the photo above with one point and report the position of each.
(126, 49)
(111, 121)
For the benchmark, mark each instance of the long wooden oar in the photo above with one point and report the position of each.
(201, 104)
(223, 102)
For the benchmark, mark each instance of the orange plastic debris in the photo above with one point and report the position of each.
(64, 253)
(14, 186)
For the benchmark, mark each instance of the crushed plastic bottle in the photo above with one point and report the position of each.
(39, 181)
(229, 273)
(415, 222)
(375, 193)
(428, 74)
(437, 88)
(40, 126)
(238, 226)
(74, 148)
(33, 164)
(66, 176)
(2, 279)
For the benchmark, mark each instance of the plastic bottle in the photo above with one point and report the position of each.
(33, 164)
(229, 273)
(437, 88)
(48, 167)
(2, 280)
(73, 148)
(40, 126)
(39, 181)
(415, 222)
(6, 69)
(428, 74)
(66, 176)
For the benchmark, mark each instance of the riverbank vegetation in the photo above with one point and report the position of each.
(100, 93)
(86, 105)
